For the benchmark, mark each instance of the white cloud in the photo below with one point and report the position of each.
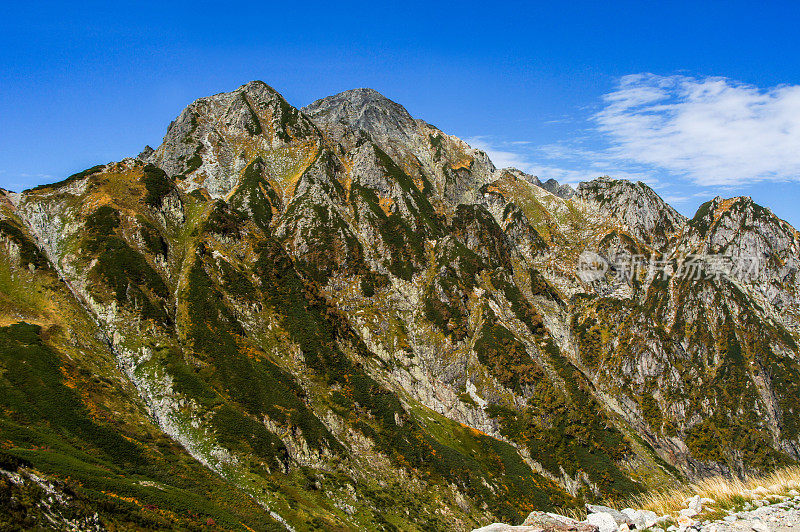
(713, 131)
(500, 157)
(566, 163)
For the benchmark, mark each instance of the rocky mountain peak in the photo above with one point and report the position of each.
(355, 104)
(551, 185)
(215, 138)
(351, 115)
(425, 153)
(359, 314)
(557, 189)
(646, 215)
(737, 212)
(765, 249)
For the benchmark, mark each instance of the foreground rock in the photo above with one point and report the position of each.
(760, 516)
(542, 522)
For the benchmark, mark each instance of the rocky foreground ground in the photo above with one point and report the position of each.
(764, 512)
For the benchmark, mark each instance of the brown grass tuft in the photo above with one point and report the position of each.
(726, 493)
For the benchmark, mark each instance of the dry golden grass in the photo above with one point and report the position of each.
(726, 492)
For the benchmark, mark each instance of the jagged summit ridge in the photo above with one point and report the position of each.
(215, 138)
(329, 305)
(362, 109)
(647, 216)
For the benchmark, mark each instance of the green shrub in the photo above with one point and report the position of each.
(244, 434)
(152, 238)
(157, 184)
(132, 279)
(36, 393)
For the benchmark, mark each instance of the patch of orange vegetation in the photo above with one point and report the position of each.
(723, 207)
(474, 431)
(286, 186)
(68, 379)
(463, 164)
(94, 201)
(493, 187)
(386, 205)
(105, 189)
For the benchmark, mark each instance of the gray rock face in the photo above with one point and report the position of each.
(349, 116)
(556, 523)
(619, 517)
(765, 249)
(645, 215)
(562, 191)
(441, 165)
(412, 261)
(145, 153)
(215, 138)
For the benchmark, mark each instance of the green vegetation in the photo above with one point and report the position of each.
(236, 283)
(195, 161)
(406, 246)
(153, 240)
(319, 330)
(436, 144)
(505, 356)
(331, 243)
(521, 306)
(124, 270)
(130, 479)
(256, 192)
(244, 434)
(416, 200)
(540, 286)
(564, 427)
(253, 126)
(444, 303)
(254, 383)
(157, 184)
(223, 220)
(474, 224)
(35, 393)
(289, 118)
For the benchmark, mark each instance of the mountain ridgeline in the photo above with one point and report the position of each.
(341, 318)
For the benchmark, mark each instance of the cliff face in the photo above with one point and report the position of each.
(352, 320)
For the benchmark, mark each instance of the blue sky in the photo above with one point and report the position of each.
(695, 98)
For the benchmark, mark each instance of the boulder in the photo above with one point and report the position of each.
(604, 522)
(502, 527)
(551, 522)
(685, 522)
(641, 519)
(619, 517)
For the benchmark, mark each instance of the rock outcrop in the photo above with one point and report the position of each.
(357, 322)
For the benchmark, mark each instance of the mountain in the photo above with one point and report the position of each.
(342, 318)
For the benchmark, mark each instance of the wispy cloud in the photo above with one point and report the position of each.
(564, 162)
(682, 135)
(501, 157)
(37, 176)
(713, 131)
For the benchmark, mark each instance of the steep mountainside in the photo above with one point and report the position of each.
(342, 318)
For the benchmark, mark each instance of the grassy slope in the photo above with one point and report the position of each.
(238, 372)
(71, 415)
